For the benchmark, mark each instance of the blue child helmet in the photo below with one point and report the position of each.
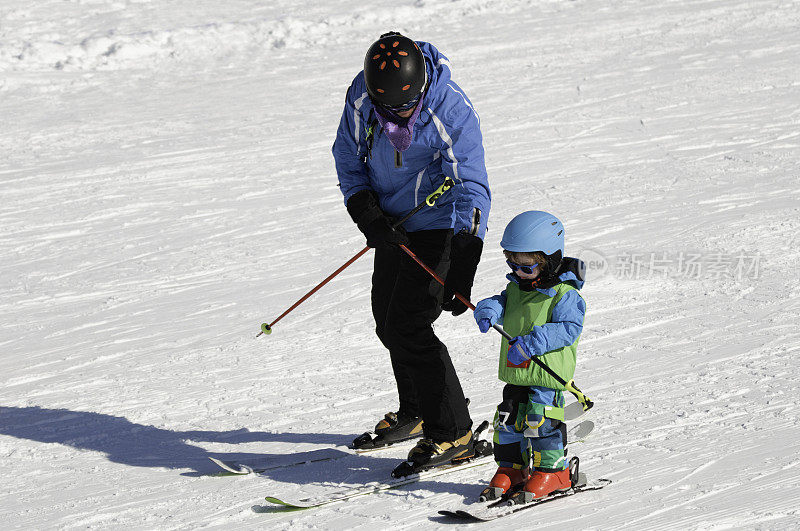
(534, 231)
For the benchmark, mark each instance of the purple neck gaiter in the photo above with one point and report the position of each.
(398, 130)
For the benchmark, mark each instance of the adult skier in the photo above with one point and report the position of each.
(407, 126)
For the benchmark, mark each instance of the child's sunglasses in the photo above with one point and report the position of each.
(527, 269)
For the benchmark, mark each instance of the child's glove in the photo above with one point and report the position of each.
(484, 325)
(488, 312)
(518, 352)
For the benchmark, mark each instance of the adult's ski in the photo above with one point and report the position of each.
(257, 465)
(232, 467)
(410, 474)
(371, 488)
(264, 464)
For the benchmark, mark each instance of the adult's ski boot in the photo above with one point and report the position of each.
(504, 480)
(393, 428)
(430, 454)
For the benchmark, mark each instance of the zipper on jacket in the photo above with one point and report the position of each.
(370, 139)
(398, 159)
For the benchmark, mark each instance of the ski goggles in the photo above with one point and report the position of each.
(410, 104)
(527, 269)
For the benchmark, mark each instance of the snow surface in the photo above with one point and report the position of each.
(166, 185)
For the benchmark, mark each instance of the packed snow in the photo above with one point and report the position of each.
(166, 185)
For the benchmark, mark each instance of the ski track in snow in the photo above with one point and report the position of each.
(166, 185)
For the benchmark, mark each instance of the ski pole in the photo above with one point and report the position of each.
(570, 385)
(429, 201)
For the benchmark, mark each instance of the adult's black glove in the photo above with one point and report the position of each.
(363, 208)
(465, 253)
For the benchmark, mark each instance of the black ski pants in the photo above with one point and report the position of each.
(406, 301)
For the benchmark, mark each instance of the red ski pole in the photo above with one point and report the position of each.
(266, 328)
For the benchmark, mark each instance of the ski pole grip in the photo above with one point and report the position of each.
(446, 185)
(582, 398)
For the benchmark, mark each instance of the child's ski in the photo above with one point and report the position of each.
(498, 509)
(579, 432)
(574, 411)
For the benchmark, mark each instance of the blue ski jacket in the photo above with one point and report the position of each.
(446, 141)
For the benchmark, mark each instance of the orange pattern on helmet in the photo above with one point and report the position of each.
(395, 62)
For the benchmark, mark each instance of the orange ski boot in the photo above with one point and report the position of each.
(541, 484)
(504, 479)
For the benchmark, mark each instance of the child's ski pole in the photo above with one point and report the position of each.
(429, 201)
(570, 385)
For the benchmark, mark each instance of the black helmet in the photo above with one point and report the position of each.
(394, 70)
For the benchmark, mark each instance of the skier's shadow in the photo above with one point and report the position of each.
(140, 445)
(128, 443)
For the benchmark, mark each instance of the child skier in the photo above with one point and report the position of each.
(543, 312)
